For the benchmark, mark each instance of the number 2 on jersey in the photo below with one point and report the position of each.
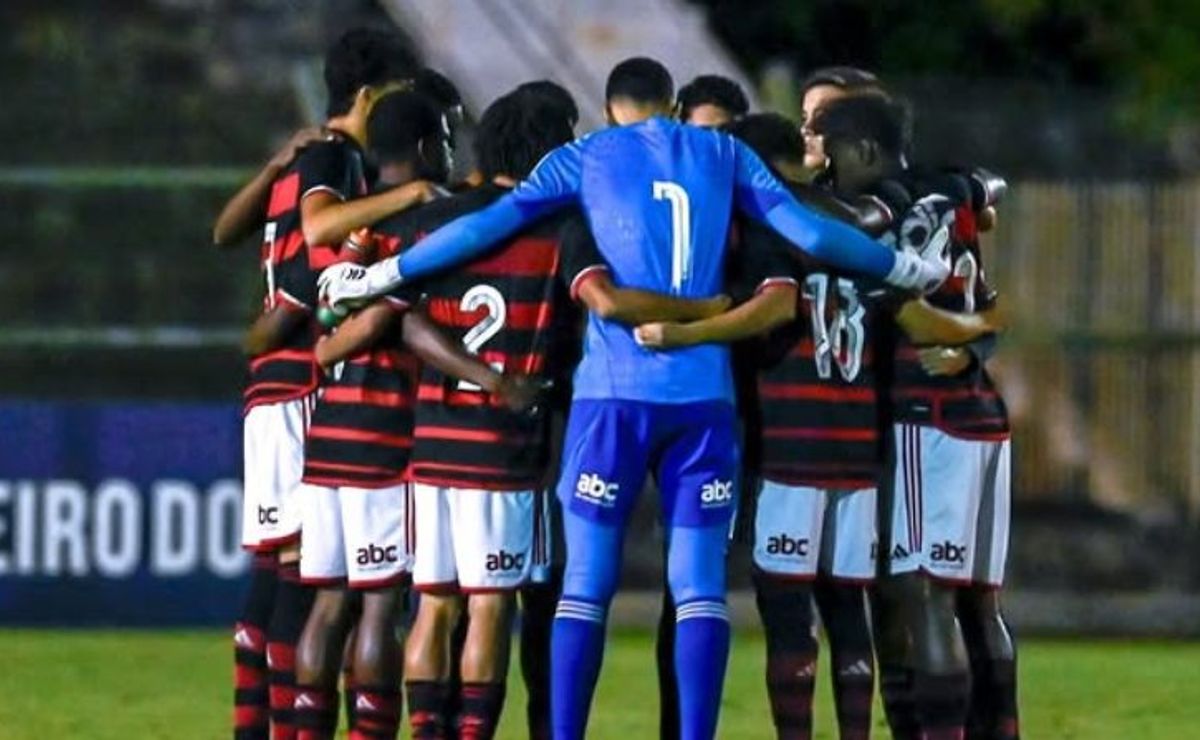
(681, 230)
(491, 300)
(838, 338)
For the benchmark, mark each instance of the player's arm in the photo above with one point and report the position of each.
(245, 212)
(270, 329)
(327, 219)
(358, 332)
(771, 307)
(926, 324)
(592, 285)
(553, 184)
(634, 307)
(761, 196)
(436, 349)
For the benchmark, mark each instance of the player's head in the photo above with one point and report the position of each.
(824, 86)
(406, 134)
(444, 94)
(637, 89)
(776, 140)
(711, 100)
(865, 138)
(554, 94)
(515, 132)
(363, 64)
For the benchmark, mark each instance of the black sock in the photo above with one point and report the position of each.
(538, 603)
(785, 608)
(668, 684)
(315, 712)
(941, 702)
(377, 713)
(293, 601)
(480, 713)
(427, 704)
(896, 691)
(251, 699)
(844, 614)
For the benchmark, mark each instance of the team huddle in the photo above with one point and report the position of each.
(463, 387)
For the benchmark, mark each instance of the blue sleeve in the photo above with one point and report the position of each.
(552, 184)
(759, 194)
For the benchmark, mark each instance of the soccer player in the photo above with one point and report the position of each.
(815, 513)
(823, 86)
(949, 514)
(711, 101)
(357, 512)
(658, 196)
(305, 212)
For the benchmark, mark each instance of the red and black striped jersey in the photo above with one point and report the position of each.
(290, 266)
(505, 307)
(361, 430)
(967, 405)
(817, 398)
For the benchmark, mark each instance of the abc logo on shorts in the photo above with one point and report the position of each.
(596, 490)
(717, 493)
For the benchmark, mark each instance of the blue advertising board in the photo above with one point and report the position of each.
(120, 514)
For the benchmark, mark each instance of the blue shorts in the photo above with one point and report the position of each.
(691, 448)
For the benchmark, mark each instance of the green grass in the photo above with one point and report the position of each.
(61, 684)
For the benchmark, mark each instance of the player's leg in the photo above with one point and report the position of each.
(935, 491)
(787, 535)
(664, 656)
(379, 529)
(538, 601)
(604, 466)
(427, 660)
(847, 552)
(251, 717)
(494, 548)
(993, 713)
(282, 456)
(321, 645)
(697, 475)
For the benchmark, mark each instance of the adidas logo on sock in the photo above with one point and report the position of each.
(364, 703)
(858, 668)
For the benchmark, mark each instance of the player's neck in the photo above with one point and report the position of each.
(623, 112)
(349, 126)
(395, 174)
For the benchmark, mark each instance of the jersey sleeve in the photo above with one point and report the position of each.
(758, 194)
(326, 167)
(579, 257)
(553, 184)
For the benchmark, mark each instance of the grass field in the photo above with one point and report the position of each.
(137, 685)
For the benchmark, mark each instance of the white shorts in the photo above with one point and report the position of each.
(273, 444)
(951, 506)
(800, 531)
(473, 540)
(363, 536)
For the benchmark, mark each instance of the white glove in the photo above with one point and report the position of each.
(349, 285)
(912, 272)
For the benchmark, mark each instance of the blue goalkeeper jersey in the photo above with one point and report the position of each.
(658, 196)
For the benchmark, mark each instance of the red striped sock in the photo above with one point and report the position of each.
(376, 713)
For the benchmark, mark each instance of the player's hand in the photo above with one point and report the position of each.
(419, 191)
(347, 285)
(912, 272)
(662, 335)
(945, 361)
(518, 393)
(299, 140)
(714, 306)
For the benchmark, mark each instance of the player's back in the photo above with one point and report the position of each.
(658, 196)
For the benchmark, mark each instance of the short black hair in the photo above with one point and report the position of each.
(771, 136)
(553, 93)
(438, 88)
(640, 79)
(865, 117)
(515, 132)
(364, 56)
(398, 123)
(850, 79)
(712, 90)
